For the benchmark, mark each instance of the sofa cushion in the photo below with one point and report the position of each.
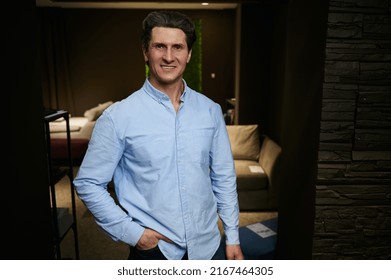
(250, 175)
(244, 141)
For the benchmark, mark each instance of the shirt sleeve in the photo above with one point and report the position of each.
(223, 178)
(96, 171)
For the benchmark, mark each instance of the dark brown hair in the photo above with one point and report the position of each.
(171, 19)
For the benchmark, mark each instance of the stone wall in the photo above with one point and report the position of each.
(353, 192)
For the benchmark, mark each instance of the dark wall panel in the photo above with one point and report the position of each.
(255, 63)
(25, 204)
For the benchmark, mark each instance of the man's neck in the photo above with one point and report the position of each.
(173, 91)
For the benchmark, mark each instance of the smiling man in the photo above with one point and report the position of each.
(167, 150)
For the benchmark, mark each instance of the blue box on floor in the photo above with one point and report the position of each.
(258, 241)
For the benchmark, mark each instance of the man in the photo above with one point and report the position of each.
(167, 150)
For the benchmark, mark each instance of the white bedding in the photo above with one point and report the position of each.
(80, 127)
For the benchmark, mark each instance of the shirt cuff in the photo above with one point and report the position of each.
(132, 234)
(232, 237)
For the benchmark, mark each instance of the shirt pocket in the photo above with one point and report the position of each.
(202, 144)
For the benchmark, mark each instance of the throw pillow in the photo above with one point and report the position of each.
(244, 141)
(94, 113)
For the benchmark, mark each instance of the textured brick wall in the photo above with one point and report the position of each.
(353, 192)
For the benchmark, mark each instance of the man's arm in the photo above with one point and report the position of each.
(223, 178)
(102, 157)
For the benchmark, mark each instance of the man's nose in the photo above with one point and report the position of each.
(168, 55)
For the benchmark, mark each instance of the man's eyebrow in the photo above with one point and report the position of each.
(173, 44)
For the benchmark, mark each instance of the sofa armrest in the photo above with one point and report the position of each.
(269, 159)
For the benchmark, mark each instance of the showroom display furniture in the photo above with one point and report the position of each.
(63, 219)
(59, 149)
(81, 128)
(257, 163)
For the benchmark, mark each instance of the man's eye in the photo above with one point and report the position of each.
(158, 46)
(178, 47)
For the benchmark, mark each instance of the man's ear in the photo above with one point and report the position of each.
(188, 57)
(145, 54)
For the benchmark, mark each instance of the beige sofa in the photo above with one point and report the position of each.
(257, 161)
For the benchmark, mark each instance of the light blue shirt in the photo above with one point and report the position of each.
(173, 172)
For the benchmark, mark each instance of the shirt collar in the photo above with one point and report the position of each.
(160, 96)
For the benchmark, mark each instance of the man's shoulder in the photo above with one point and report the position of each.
(124, 106)
(202, 98)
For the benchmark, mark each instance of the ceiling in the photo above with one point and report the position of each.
(134, 4)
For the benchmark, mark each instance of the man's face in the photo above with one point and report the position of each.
(167, 55)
